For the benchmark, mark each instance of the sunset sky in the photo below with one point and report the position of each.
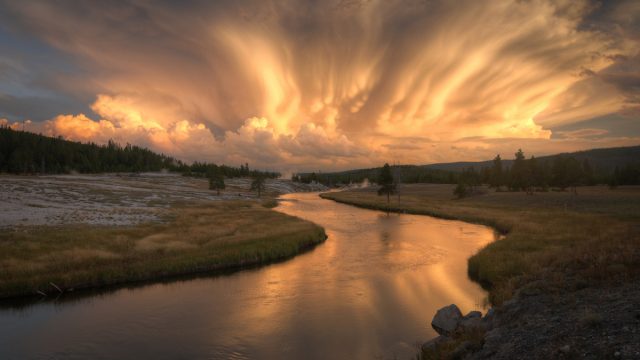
(308, 84)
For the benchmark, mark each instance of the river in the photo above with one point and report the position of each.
(369, 291)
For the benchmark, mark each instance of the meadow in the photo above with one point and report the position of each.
(184, 231)
(554, 241)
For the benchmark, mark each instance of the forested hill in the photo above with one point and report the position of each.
(24, 152)
(605, 160)
(620, 165)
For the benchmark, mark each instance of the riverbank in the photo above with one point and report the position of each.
(45, 260)
(557, 247)
(59, 237)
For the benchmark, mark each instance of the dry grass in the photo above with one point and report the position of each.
(209, 236)
(564, 240)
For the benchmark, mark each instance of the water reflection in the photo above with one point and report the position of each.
(369, 291)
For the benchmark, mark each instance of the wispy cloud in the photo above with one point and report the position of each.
(289, 83)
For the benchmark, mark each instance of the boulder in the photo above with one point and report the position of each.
(433, 344)
(446, 320)
(488, 318)
(471, 324)
(472, 315)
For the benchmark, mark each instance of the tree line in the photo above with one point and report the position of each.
(23, 152)
(409, 174)
(560, 172)
(211, 170)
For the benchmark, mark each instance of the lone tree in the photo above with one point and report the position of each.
(518, 172)
(397, 180)
(216, 182)
(387, 185)
(496, 173)
(258, 184)
(460, 190)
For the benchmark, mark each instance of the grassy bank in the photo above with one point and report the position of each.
(208, 236)
(564, 241)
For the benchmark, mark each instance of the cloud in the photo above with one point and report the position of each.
(582, 133)
(16, 125)
(294, 83)
(127, 120)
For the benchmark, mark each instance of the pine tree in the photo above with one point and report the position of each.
(258, 184)
(587, 171)
(216, 182)
(496, 173)
(518, 172)
(385, 180)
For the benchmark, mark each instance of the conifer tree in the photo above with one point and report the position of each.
(258, 184)
(385, 180)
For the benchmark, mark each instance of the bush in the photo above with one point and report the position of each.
(460, 191)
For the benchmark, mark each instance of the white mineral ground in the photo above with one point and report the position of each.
(114, 199)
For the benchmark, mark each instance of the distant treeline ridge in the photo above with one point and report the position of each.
(560, 171)
(23, 152)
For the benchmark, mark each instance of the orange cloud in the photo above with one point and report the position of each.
(288, 83)
(81, 128)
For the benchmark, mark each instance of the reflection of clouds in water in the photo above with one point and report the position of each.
(353, 296)
(388, 224)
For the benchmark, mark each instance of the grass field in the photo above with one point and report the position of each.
(196, 238)
(555, 241)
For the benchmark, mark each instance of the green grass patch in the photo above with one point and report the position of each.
(206, 237)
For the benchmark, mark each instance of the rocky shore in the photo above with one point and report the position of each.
(543, 323)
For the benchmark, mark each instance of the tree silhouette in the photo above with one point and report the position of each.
(518, 172)
(258, 184)
(497, 177)
(216, 182)
(460, 190)
(385, 180)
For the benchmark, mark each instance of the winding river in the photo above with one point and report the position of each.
(369, 291)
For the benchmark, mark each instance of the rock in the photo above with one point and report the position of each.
(463, 349)
(472, 315)
(565, 349)
(489, 316)
(493, 337)
(446, 320)
(471, 324)
(433, 344)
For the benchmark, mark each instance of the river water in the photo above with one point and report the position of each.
(368, 292)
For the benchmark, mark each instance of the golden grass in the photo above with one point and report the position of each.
(567, 241)
(199, 238)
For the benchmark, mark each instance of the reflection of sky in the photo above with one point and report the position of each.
(370, 289)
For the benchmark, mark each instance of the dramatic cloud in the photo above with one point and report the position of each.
(334, 84)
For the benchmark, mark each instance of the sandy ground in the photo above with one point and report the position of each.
(113, 199)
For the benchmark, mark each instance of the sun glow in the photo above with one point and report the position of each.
(335, 83)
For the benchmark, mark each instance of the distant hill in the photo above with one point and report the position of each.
(603, 162)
